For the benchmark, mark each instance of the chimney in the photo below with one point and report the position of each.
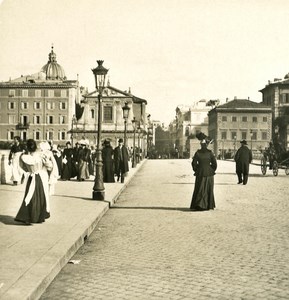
(235, 97)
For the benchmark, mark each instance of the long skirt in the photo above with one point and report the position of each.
(35, 211)
(203, 196)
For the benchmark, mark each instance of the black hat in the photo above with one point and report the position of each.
(244, 142)
(120, 140)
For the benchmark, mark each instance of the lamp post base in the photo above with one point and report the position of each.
(98, 195)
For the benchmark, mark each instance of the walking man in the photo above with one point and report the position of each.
(243, 158)
(121, 158)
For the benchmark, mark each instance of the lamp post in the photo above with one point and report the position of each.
(251, 137)
(73, 121)
(125, 110)
(148, 135)
(138, 142)
(133, 153)
(235, 139)
(98, 188)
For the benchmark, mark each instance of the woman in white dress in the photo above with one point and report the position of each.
(35, 207)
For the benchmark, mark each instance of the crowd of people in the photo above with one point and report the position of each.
(44, 164)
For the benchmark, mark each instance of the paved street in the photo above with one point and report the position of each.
(150, 246)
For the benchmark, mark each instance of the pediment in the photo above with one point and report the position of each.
(110, 92)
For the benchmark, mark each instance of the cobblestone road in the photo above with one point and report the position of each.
(150, 246)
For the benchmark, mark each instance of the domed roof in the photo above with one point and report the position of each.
(52, 69)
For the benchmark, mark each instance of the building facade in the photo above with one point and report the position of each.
(237, 120)
(276, 95)
(38, 106)
(113, 123)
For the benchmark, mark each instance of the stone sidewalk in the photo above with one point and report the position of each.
(31, 256)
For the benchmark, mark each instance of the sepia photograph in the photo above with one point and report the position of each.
(144, 149)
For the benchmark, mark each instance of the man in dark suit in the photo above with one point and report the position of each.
(243, 158)
(121, 158)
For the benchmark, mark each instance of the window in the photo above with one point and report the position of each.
(37, 135)
(11, 105)
(264, 119)
(50, 119)
(23, 135)
(63, 93)
(49, 135)
(254, 135)
(24, 120)
(61, 119)
(224, 135)
(233, 135)
(50, 93)
(62, 105)
(50, 105)
(11, 93)
(11, 135)
(92, 113)
(24, 105)
(224, 118)
(37, 105)
(36, 119)
(38, 93)
(25, 93)
(254, 119)
(62, 135)
(12, 119)
(244, 119)
(234, 119)
(107, 113)
(244, 135)
(264, 135)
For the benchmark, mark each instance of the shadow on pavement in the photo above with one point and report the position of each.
(8, 220)
(151, 207)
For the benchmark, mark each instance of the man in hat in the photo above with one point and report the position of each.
(243, 158)
(121, 158)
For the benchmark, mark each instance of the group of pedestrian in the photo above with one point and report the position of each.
(204, 165)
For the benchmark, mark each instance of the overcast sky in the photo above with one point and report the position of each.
(168, 52)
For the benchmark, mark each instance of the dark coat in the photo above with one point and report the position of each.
(108, 168)
(243, 158)
(121, 161)
(204, 163)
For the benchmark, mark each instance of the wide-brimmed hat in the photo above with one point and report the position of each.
(244, 142)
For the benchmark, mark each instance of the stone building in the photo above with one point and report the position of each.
(39, 106)
(113, 125)
(189, 121)
(237, 120)
(276, 95)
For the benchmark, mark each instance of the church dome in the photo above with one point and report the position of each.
(52, 69)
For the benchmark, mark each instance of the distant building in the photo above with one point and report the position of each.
(112, 120)
(39, 106)
(236, 120)
(189, 121)
(276, 95)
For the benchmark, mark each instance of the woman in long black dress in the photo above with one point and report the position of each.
(107, 159)
(67, 162)
(35, 206)
(204, 165)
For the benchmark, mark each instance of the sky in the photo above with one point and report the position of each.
(169, 52)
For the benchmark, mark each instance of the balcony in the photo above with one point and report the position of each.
(22, 126)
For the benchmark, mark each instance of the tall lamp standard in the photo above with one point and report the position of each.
(133, 153)
(251, 137)
(73, 121)
(98, 188)
(138, 142)
(235, 140)
(125, 111)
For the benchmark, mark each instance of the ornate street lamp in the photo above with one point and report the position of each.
(133, 153)
(98, 188)
(125, 110)
(73, 121)
(138, 142)
(251, 137)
